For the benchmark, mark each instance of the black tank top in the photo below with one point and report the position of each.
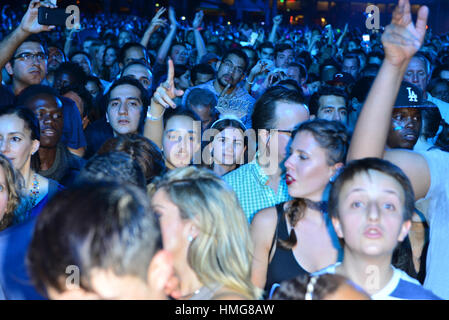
(283, 266)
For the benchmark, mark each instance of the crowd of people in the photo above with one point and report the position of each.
(167, 159)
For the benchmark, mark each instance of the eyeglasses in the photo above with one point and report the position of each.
(28, 56)
(228, 64)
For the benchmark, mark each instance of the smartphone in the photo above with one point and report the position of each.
(366, 37)
(52, 17)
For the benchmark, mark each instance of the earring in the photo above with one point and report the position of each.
(190, 238)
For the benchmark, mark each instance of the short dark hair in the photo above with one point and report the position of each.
(179, 111)
(34, 90)
(200, 96)
(142, 149)
(129, 45)
(326, 90)
(265, 44)
(135, 62)
(352, 56)
(82, 92)
(264, 113)
(144, 96)
(281, 47)
(74, 70)
(102, 225)
(32, 38)
(112, 166)
(80, 52)
(301, 67)
(203, 68)
(239, 53)
(355, 167)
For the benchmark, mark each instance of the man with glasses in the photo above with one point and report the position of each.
(259, 184)
(232, 99)
(24, 57)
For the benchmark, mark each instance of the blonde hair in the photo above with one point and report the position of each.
(13, 186)
(222, 251)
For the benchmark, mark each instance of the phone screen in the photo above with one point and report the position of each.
(366, 37)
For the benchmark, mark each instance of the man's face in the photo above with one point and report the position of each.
(55, 58)
(133, 54)
(48, 109)
(284, 58)
(404, 128)
(83, 62)
(203, 112)
(294, 73)
(416, 73)
(140, 73)
(86, 45)
(332, 108)
(63, 80)
(124, 38)
(124, 109)
(350, 65)
(32, 70)
(202, 78)
(266, 53)
(179, 54)
(231, 71)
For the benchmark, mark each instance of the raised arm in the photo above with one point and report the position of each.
(340, 39)
(155, 24)
(401, 40)
(276, 23)
(162, 99)
(199, 42)
(27, 26)
(163, 50)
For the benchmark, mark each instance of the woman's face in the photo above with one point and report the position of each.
(175, 231)
(100, 54)
(110, 57)
(228, 147)
(184, 82)
(15, 141)
(178, 141)
(4, 193)
(308, 172)
(371, 211)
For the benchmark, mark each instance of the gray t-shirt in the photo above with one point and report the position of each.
(437, 275)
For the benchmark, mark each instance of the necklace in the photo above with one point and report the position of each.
(34, 191)
(319, 206)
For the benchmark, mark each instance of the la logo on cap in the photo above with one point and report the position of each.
(412, 97)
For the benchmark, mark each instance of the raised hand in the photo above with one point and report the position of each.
(401, 38)
(167, 91)
(172, 16)
(198, 19)
(157, 22)
(29, 22)
(277, 20)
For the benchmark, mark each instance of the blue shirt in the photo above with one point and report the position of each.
(250, 184)
(400, 287)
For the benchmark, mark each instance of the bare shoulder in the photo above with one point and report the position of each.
(415, 166)
(265, 219)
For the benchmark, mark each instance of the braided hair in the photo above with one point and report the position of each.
(330, 135)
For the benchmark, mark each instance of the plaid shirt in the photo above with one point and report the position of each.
(250, 184)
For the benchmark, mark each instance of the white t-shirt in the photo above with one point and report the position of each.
(400, 287)
(437, 275)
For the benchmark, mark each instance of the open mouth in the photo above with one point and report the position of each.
(373, 232)
(289, 179)
(48, 132)
(123, 122)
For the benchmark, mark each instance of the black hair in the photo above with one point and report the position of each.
(136, 62)
(32, 38)
(361, 88)
(326, 90)
(239, 53)
(113, 167)
(72, 69)
(83, 94)
(105, 225)
(203, 68)
(144, 96)
(281, 47)
(200, 96)
(264, 113)
(80, 52)
(129, 45)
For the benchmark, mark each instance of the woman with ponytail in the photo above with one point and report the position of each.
(296, 237)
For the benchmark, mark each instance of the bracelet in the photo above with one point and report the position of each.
(153, 118)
